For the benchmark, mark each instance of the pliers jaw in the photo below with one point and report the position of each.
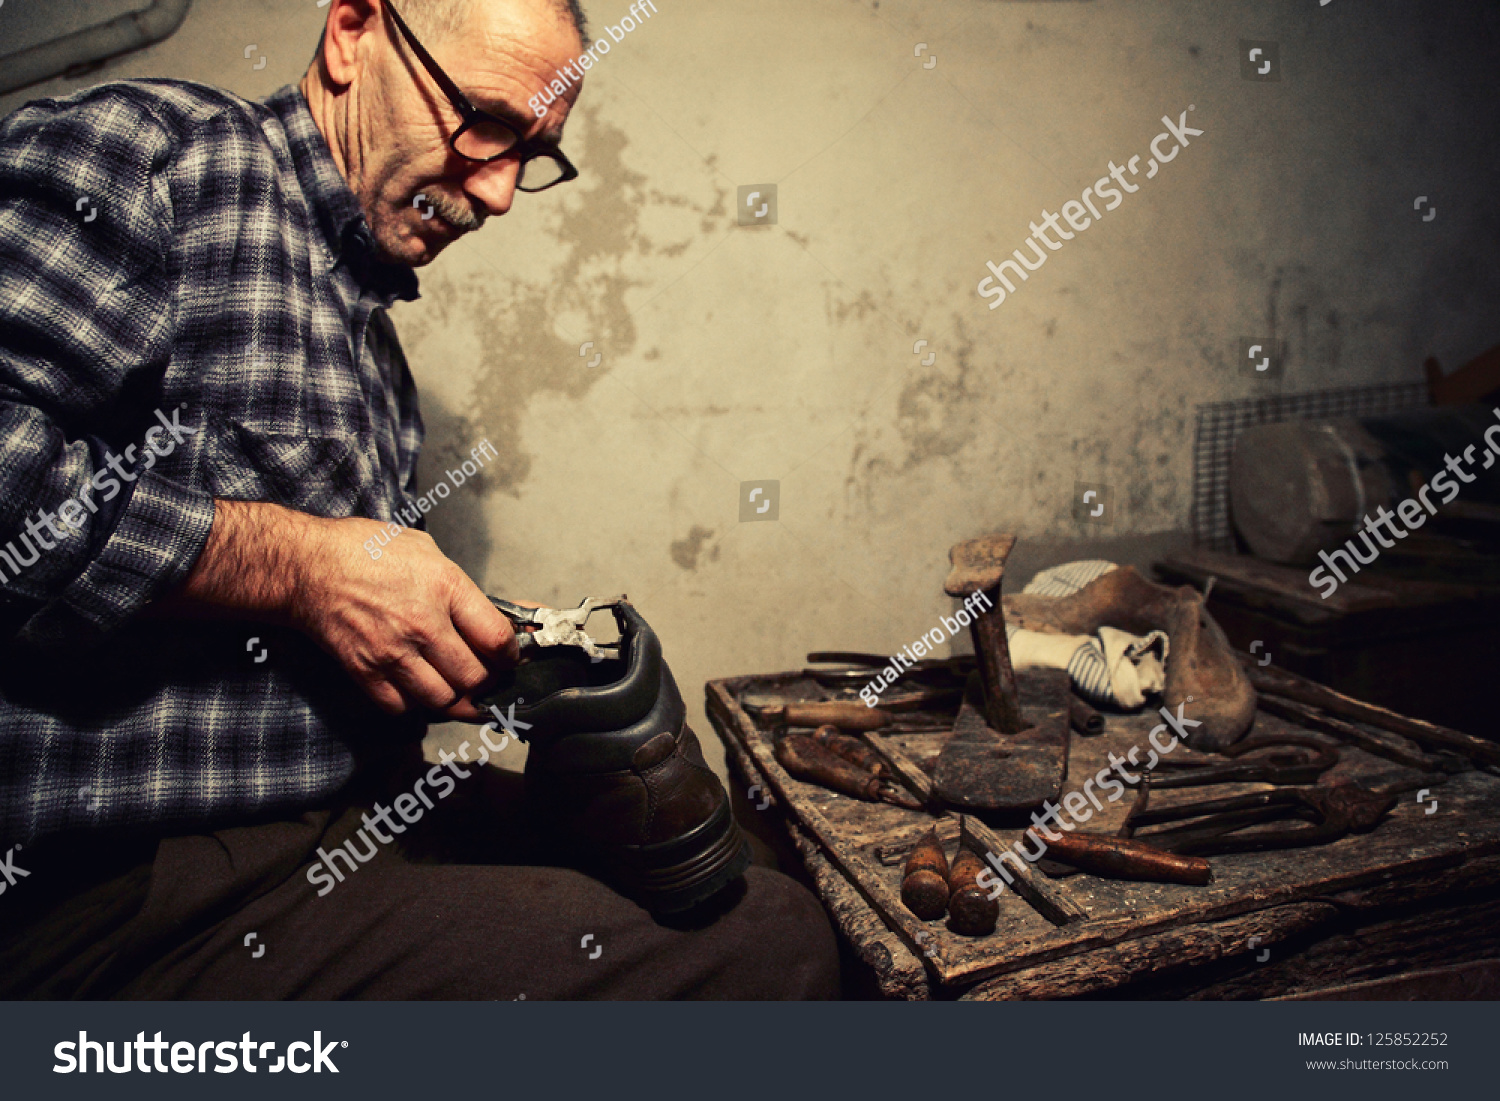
(561, 627)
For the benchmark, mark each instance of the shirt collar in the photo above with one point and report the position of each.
(334, 206)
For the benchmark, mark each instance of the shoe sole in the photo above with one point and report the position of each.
(672, 876)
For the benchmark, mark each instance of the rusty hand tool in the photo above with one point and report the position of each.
(971, 911)
(978, 566)
(949, 673)
(1333, 812)
(852, 750)
(922, 699)
(804, 758)
(924, 882)
(559, 627)
(1392, 747)
(1292, 759)
(1009, 749)
(1289, 686)
(1142, 802)
(903, 767)
(1123, 858)
(979, 769)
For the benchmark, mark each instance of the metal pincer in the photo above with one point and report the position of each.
(560, 627)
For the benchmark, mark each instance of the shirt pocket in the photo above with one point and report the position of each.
(320, 475)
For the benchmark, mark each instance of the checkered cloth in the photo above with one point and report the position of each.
(1109, 669)
(1221, 422)
(167, 246)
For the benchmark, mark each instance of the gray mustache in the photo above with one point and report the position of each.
(457, 214)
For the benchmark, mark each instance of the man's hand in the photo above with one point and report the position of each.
(412, 629)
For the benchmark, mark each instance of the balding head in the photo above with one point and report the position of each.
(439, 20)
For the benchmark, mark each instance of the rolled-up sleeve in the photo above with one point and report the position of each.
(86, 322)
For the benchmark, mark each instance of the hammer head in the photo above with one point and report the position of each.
(978, 564)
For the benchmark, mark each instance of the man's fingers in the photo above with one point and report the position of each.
(455, 663)
(484, 627)
(386, 697)
(395, 701)
(464, 711)
(423, 685)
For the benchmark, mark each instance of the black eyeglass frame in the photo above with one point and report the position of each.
(471, 116)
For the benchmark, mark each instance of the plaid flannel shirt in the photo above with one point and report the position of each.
(167, 248)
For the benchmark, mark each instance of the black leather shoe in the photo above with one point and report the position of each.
(615, 764)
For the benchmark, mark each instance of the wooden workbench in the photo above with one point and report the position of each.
(1422, 889)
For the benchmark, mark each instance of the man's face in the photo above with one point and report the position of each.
(397, 121)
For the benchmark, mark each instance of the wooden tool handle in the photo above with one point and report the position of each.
(971, 910)
(845, 714)
(853, 750)
(924, 882)
(1122, 858)
(805, 759)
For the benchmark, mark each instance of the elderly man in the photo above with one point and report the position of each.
(211, 691)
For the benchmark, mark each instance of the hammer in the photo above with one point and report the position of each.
(978, 565)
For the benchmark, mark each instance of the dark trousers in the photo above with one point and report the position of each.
(468, 906)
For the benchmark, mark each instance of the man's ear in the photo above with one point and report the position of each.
(349, 21)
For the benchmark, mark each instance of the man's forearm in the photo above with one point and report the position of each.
(251, 565)
(413, 630)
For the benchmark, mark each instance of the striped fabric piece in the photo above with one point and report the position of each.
(1089, 666)
(1091, 675)
(1067, 579)
(1088, 670)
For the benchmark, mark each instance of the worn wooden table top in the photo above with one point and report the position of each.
(1129, 927)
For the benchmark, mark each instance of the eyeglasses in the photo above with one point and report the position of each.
(482, 137)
